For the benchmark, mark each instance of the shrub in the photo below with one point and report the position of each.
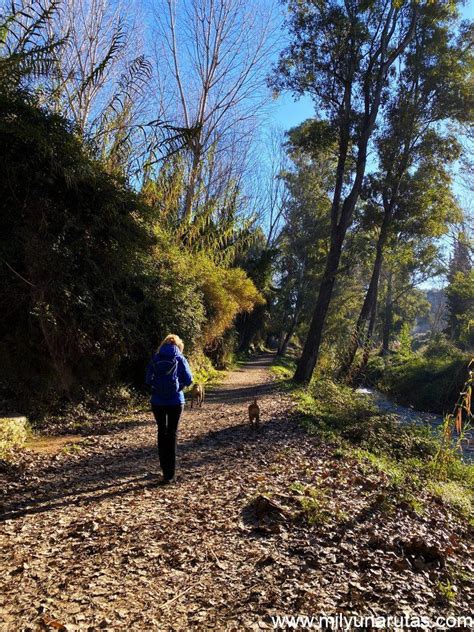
(426, 383)
(69, 245)
(337, 411)
(226, 293)
(440, 347)
(13, 434)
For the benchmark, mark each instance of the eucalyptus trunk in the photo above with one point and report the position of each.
(358, 337)
(368, 343)
(388, 317)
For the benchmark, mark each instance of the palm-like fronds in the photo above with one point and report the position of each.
(26, 49)
(114, 130)
(116, 46)
(219, 229)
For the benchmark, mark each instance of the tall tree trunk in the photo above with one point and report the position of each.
(339, 227)
(282, 348)
(388, 316)
(368, 342)
(357, 338)
(308, 358)
(372, 91)
(285, 339)
(193, 181)
(281, 339)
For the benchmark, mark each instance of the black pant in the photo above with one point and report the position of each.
(167, 419)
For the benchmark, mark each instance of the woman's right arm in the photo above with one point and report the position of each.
(149, 373)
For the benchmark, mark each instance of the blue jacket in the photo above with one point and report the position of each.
(185, 378)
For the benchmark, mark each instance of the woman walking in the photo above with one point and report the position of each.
(168, 373)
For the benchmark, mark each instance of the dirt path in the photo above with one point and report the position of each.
(89, 541)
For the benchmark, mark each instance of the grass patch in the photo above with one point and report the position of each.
(283, 368)
(73, 448)
(336, 412)
(455, 495)
(403, 479)
(447, 591)
(395, 472)
(315, 504)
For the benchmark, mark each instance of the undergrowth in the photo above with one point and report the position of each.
(14, 433)
(114, 405)
(203, 371)
(403, 454)
(427, 380)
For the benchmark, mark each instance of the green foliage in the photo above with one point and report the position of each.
(396, 472)
(226, 293)
(95, 274)
(402, 453)
(203, 370)
(447, 591)
(13, 434)
(459, 421)
(312, 137)
(304, 239)
(440, 347)
(407, 476)
(338, 413)
(217, 227)
(27, 50)
(428, 382)
(407, 202)
(460, 297)
(283, 368)
(405, 340)
(316, 505)
(69, 258)
(91, 282)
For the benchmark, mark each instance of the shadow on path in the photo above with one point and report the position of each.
(126, 470)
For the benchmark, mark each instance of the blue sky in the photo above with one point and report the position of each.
(288, 113)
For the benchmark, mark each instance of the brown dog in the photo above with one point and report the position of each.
(254, 414)
(197, 394)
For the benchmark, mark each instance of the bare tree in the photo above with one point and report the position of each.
(275, 191)
(211, 56)
(100, 74)
(96, 43)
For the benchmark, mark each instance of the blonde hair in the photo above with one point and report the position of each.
(173, 339)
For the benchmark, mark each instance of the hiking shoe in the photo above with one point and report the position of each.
(169, 481)
(151, 475)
